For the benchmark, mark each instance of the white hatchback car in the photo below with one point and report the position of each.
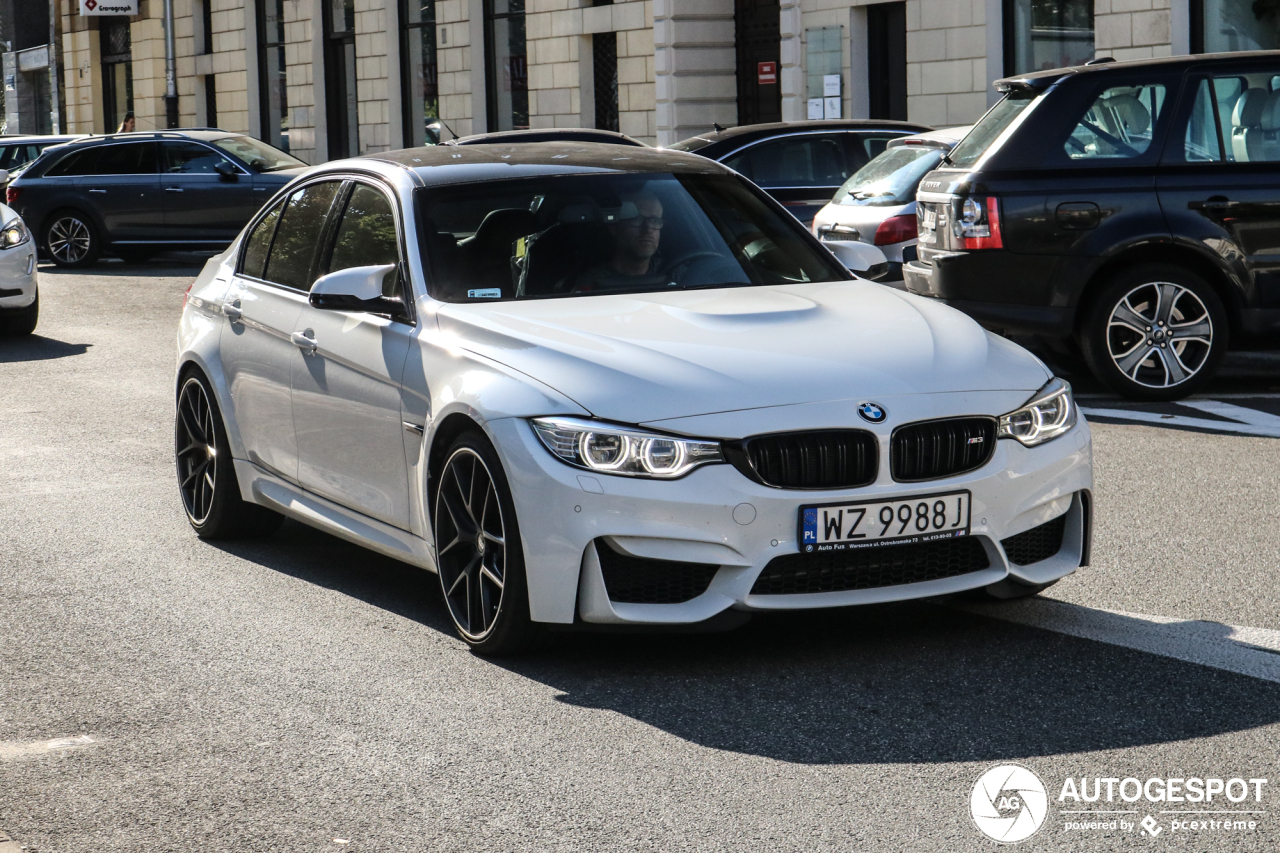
(602, 384)
(19, 293)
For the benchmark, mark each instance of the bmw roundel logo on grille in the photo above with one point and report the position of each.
(872, 412)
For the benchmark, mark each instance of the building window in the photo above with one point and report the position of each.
(210, 101)
(421, 86)
(507, 71)
(340, 78)
(117, 71)
(274, 98)
(887, 61)
(823, 65)
(206, 27)
(604, 72)
(1042, 34)
(1218, 26)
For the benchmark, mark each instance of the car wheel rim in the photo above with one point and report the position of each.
(69, 240)
(197, 451)
(471, 552)
(1160, 334)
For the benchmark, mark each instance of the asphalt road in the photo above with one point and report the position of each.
(297, 693)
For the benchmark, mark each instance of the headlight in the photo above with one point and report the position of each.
(611, 449)
(14, 233)
(1050, 413)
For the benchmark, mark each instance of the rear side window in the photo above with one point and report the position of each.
(367, 236)
(188, 158)
(1118, 124)
(259, 243)
(138, 158)
(793, 161)
(76, 163)
(988, 129)
(301, 224)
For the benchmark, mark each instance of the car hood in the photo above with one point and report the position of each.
(652, 356)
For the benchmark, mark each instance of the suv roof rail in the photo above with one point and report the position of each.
(175, 133)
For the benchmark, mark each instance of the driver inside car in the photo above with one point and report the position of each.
(635, 255)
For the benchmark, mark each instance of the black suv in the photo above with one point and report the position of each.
(134, 193)
(1129, 208)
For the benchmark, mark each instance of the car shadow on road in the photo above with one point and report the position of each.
(898, 683)
(37, 348)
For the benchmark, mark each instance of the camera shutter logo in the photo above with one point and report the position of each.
(1009, 803)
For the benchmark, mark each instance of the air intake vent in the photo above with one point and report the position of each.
(871, 568)
(1036, 544)
(936, 449)
(640, 580)
(830, 459)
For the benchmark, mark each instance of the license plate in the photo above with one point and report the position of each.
(869, 524)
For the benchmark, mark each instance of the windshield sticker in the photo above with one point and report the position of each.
(485, 293)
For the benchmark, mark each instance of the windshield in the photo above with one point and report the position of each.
(890, 178)
(568, 236)
(994, 123)
(259, 156)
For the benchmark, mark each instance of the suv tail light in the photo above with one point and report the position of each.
(979, 224)
(11, 195)
(895, 229)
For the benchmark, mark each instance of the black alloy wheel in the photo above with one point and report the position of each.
(71, 239)
(478, 553)
(1155, 332)
(206, 474)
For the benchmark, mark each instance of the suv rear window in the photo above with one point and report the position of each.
(988, 129)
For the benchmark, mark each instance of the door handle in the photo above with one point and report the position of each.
(97, 191)
(1214, 203)
(231, 310)
(304, 341)
(170, 189)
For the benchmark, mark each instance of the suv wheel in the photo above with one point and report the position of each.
(71, 239)
(1155, 332)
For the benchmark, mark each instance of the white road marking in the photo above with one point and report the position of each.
(1248, 651)
(1259, 423)
(10, 751)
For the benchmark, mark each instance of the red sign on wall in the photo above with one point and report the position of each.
(766, 73)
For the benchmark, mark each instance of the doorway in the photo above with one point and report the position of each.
(758, 41)
(117, 71)
(887, 60)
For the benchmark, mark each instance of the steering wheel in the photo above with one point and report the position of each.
(691, 256)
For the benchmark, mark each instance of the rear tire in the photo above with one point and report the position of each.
(206, 473)
(21, 322)
(1155, 332)
(479, 555)
(71, 239)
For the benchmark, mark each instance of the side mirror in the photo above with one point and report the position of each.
(4, 177)
(862, 259)
(226, 169)
(355, 289)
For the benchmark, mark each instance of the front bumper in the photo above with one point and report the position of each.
(17, 277)
(716, 515)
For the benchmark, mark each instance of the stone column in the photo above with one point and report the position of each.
(791, 74)
(695, 83)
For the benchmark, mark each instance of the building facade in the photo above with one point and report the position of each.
(331, 78)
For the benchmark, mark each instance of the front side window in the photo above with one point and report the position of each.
(1044, 34)
(293, 251)
(188, 158)
(988, 129)
(138, 158)
(1235, 118)
(891, 178)
(367, 236)
(793, 161)
(508, 71)
(569, 236)
(1118, 124)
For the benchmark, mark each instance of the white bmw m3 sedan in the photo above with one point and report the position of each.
(603, 384)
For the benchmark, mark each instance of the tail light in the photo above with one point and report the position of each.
(979, 224)
(896, 229)
(11, 195)
(186, 294)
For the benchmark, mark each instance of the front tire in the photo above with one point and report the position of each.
(71, 240)
(1155, 332)
(23, 321)
(206, 472)
(479, 556)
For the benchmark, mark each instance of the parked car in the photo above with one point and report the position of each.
(611, 385)
(800, 163)
(17, 151)
(878, 204)
(560, 134)
(1127, 208)
(135, 193)
(19, 293)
